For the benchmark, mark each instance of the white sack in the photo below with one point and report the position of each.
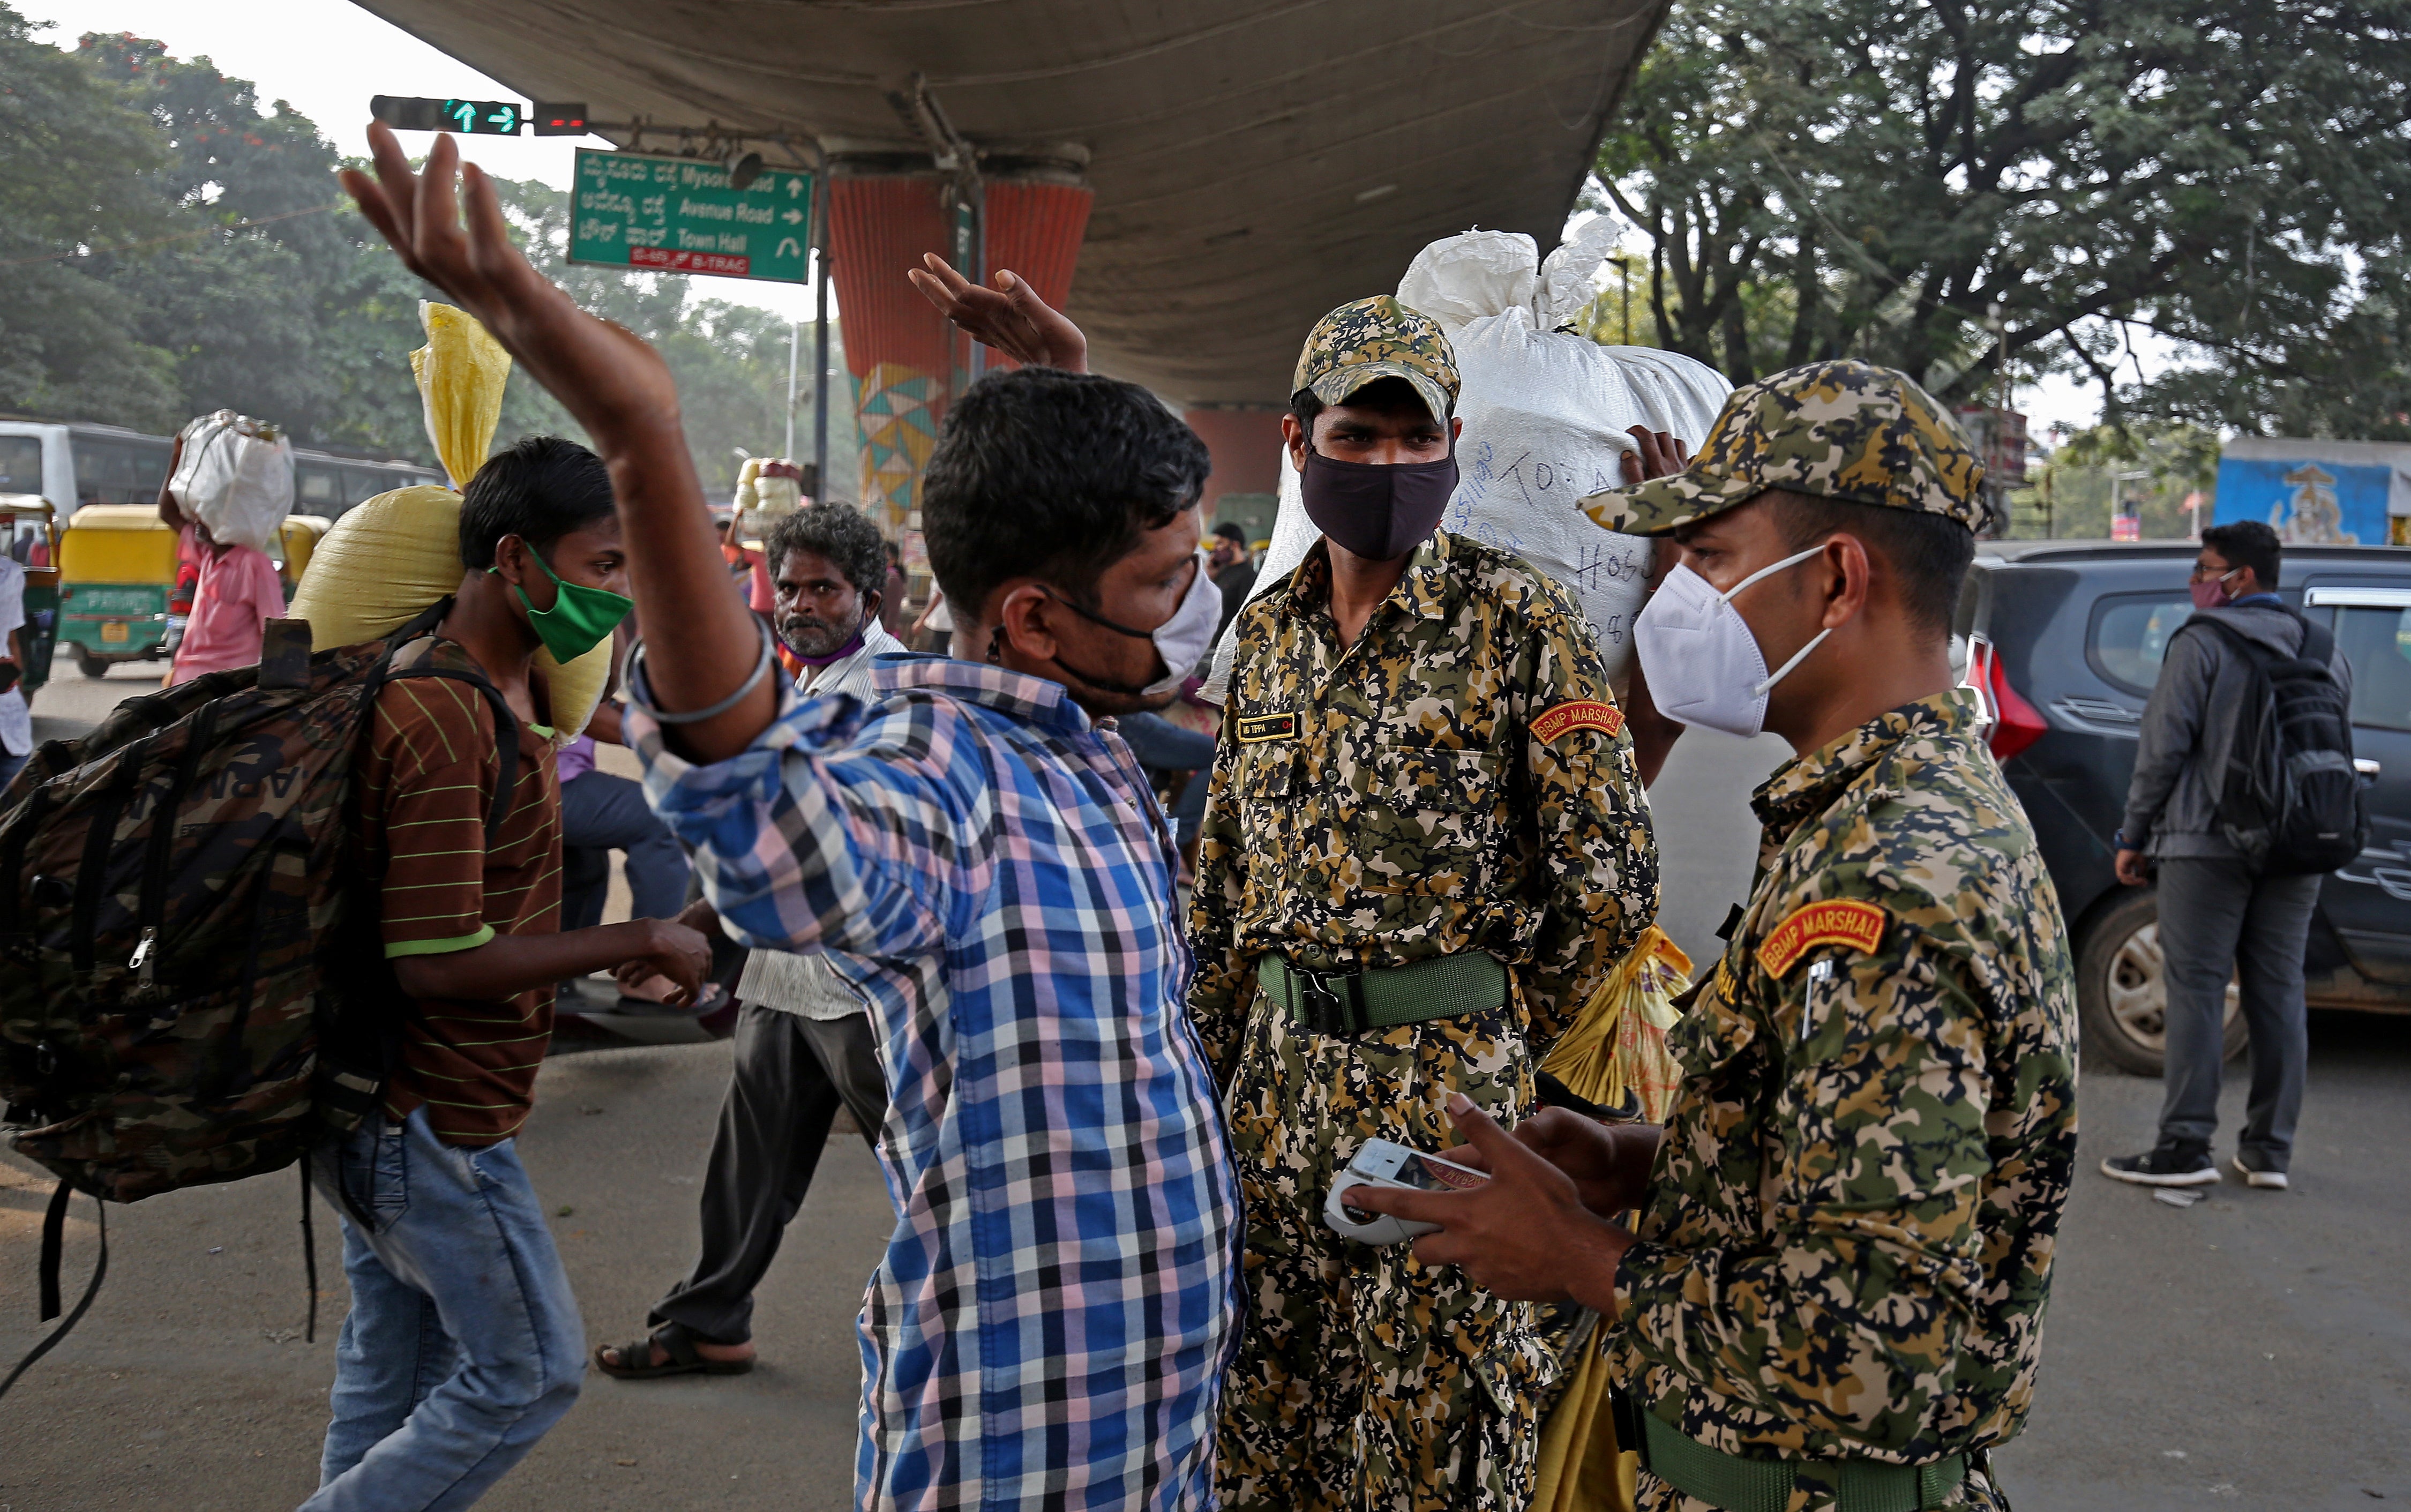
(768, 489)
(236, 477)
(1545, 414)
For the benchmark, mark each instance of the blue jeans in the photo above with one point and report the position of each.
(600, 813)
(463, 1344)
(11, 765)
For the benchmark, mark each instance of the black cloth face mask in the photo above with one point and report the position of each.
(1377, 510)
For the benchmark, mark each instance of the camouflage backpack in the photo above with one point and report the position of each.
(191, 987)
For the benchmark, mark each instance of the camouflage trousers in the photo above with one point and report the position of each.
(1976, 1494)
(1365, 1381)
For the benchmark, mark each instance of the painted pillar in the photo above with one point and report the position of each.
(897, 347)
(1034, 231)
(902, 354)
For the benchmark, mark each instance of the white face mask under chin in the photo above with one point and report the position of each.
(1703, 665)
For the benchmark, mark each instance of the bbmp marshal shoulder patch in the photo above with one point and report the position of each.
(1254, 730)
(1841, 922)
(1581, 713)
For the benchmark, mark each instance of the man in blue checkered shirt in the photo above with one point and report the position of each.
(985, 864)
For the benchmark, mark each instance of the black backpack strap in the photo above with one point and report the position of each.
(506, 724)
(2204, 620)
(53, 1240)
(2318, 642)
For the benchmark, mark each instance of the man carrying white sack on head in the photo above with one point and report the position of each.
(1549, 415)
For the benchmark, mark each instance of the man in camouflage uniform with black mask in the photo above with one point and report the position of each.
(1832, 1295)
(1426, 846)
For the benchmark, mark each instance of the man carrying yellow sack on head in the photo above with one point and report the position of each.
(454, 1277)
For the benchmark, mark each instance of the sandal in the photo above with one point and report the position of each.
(676, 1341)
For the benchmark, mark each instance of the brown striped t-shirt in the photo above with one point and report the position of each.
(427, 778)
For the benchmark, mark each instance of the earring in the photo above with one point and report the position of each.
(996, 647)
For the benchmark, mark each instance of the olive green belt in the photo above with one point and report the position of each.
(1736, 1483)
(1338, 1002)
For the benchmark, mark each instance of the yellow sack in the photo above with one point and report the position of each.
(392, 556)
(460, 374)
(1615, 1046)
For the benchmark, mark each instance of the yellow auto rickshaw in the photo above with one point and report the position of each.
(117, 567)
(295, 539)
(29, 533)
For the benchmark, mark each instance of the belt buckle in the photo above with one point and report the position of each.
(1322, 1003)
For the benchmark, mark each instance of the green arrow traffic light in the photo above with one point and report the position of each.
(481, 118)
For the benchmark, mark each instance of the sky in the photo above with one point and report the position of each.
(326, 57)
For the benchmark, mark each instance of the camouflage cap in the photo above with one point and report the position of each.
(1365, 341)
(1849, 430)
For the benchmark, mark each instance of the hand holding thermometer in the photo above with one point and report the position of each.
(1384, 1163)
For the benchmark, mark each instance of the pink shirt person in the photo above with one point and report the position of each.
(240, 593)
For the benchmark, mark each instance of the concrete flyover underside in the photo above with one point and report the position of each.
(1255, 162)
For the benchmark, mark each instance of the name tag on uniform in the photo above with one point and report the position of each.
(1254, 730)
(1843, 921)
(1579, 713)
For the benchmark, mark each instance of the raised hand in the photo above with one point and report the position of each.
(606, 376)
(1010, 317)
(700, 637)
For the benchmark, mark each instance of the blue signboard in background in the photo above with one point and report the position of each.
(2319, 492)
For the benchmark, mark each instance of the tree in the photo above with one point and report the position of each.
(201, 256)
(2229, 174)
(2150, 469)
(236, 308)
(73, 177)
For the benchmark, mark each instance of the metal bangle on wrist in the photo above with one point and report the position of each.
(641, 696)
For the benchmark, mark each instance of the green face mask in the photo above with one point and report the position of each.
(579, 618)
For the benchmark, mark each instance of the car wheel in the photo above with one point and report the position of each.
(2122, 990)
(89, 663)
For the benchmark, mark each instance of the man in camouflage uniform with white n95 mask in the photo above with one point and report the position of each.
(1425, 846)
(1832, 1295)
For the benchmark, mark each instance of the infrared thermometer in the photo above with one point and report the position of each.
(1385, 1163)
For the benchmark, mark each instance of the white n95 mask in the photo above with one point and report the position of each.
(1180, 640)
(1703, 665)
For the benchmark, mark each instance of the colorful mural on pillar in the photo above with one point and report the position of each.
(898, 406)
(902, 354)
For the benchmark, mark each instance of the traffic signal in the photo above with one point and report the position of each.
(558, 118)
(475, 118)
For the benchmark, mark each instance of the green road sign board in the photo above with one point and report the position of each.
(679, 215)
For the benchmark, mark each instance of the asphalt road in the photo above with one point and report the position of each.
(2254, 1350)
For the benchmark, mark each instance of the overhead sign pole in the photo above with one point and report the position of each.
(682, 215)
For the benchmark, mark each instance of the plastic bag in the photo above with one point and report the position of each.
(768, 489)
(235, 475)
(1545, 413)
(460, 374)
(390, 557)
(1615, 1048)
(1614, 1051)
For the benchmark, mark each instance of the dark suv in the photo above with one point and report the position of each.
(2065, 639)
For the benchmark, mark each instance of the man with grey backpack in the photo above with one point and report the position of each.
(2243, 797)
